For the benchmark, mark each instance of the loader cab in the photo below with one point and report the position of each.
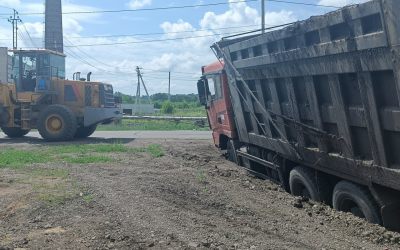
(214, 94)
(32, 70)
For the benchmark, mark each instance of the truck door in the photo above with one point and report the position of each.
(216, 106)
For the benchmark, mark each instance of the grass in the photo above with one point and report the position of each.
(189, 112)
(201, 177)
(50, 173)
(13, 158)
(51, 186)
(145, 125)
(74, 154)
(55, 186)
(90, 148)
(86, 159)
(88, 198)
(155, 150)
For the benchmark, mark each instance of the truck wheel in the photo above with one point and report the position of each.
(302, 183)
(57, 123)
(349, 197)
(15, 132)
(84, 132)
(231, 151)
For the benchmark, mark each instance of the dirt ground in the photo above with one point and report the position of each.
(190, 198)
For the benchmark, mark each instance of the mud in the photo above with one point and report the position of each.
(191, 198)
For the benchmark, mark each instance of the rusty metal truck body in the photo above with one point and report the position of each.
(316, 107)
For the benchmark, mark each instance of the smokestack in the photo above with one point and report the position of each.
(53, 26)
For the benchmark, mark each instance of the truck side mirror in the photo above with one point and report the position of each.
(202, 90)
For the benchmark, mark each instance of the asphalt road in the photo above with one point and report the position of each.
(182, 135)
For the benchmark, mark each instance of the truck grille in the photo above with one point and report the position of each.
(106, 96)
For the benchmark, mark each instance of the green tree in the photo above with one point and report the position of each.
(167, 108)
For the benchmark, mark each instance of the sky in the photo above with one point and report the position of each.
(176, 40)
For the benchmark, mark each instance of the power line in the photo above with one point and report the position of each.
(179, 7)
(149, 41)
(177, 38)
(306, 4)
(143, 9)
(110, 66)
(167, 71)
(29, 35)
(151, 34)
(162, 33)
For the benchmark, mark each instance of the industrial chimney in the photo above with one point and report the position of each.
(53, 26)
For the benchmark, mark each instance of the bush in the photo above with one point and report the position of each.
(167, 108)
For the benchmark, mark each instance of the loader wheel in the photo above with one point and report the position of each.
(84, 132)
(351, 198)
(303, 183)
(15, 132)
(57, 123)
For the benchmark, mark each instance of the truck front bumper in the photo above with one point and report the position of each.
(94, 116)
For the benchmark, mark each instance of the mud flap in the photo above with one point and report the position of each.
(391, 216)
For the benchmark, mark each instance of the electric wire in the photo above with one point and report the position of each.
(151, 34)
(173, 39)
(29, 35)
(141, 9)
(179, 7)
(110, 66)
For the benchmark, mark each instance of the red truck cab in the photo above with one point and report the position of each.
(214, 95)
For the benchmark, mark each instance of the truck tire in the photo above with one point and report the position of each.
(349, 197)
(57, 123)
(84, 132)
(15, 132)
(302, 182)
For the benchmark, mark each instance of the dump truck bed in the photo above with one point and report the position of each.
(331, 86)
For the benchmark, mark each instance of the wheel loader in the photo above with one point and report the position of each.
(40, 97)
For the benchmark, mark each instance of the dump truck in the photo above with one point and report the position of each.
(39, 97)
(315, 106)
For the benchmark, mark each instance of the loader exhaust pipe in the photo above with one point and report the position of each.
(88, 76)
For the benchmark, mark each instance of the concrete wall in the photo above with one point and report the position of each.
(133, 109)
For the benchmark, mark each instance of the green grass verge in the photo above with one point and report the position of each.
(74, 154)
(144, 125)
(13, 158)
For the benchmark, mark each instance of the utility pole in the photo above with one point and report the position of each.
(262, 16)
(141, 82)
(138, 86)
(169, 86)
(14, 19)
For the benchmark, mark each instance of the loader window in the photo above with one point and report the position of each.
(28, 73)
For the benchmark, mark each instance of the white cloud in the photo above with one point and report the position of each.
(116, 64)
(186, 55)
(340, 2)
(238, 14)
(137, 4)
(172, 29)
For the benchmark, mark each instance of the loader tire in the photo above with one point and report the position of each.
(84, 132)
(15, 132)
(57, 123)
(352, 198)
